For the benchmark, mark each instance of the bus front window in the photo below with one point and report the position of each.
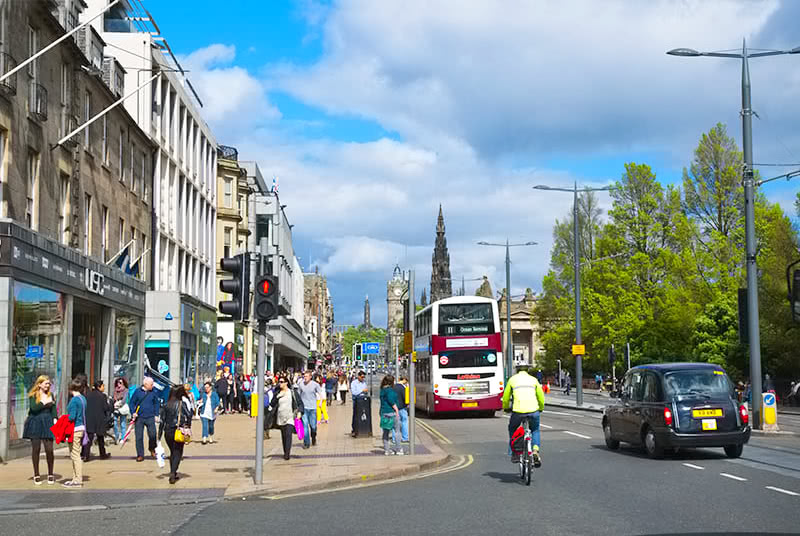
(467, 359)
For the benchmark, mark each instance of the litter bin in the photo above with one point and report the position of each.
(363, 425)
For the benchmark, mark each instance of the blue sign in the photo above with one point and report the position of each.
(370, 347)
(168, 317)
(769, 399)
(33, 352)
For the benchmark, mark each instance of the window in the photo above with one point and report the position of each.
(63, 211)
(87, 114)
(134, 238)
(3, 21)
(121, 156)
(698, 382)
(226, 244)
(241, 246)
(652, 392)
(145, 180)
(636, 390)
(466, 319)
(242, 211)
(2, 154)
(87, 224)
(31, 217)
(104, 233)
(66, 81)
(33, 48)
(105, 139)
(121, 233)
(468, 359)
(228, 192)
(133, 177)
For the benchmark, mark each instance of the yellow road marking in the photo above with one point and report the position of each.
(434, 431)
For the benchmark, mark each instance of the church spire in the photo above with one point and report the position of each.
(441, 285)
(366, 314)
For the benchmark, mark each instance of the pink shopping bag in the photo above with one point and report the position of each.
(299, 429)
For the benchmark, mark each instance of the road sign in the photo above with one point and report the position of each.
(408, 342)
(370, 347)
(414, 357)
(770, 410)
(444, 360)
(578, 349)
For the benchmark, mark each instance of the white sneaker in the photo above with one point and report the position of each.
(387, 453)
(400, 453)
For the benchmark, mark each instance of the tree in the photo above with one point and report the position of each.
(359, 334)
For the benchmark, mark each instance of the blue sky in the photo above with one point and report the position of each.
(373, 113)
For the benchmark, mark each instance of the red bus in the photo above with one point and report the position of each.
(459, 356)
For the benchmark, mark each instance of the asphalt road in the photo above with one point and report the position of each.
(582, 488)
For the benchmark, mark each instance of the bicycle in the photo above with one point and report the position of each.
(526, 457)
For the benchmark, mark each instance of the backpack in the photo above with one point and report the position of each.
(518, 439)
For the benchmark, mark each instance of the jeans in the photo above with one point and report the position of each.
(175, 450)
(310, 425)
(403, 426)
(120, 426)
(208, 426)
(393, 433)
(533, 422)
(141, 422)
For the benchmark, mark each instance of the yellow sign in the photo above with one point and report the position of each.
(578, 349)
(408, 342)
(414, 357)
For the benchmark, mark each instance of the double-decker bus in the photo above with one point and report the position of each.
(459, 356)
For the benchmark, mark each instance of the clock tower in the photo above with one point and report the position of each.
(395, 294)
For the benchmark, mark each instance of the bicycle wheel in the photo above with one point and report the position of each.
(528, 470)
(522, 466)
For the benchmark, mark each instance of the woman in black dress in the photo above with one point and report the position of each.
(41, 416)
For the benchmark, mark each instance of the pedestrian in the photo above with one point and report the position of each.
(322, 401)
(246, 393)
(598, 380)
(540, 376)
(567, 383)
(147, 405)
(230, 402)
(343, 388)
(41, 416)
(194, 395)
(360, 391)
(209, 407)
(401, 389)
(286, 406)
(221, 386)
(122, 409)
(176, 415)
(309, 392)
(330, 387)
(390, 417)
(76, 409)
(98, 420)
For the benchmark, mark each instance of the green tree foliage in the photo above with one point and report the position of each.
(661, 272)
(360, 334)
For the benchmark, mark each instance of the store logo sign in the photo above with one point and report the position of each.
(94, 282)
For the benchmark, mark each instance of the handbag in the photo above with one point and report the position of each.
(183, 435)
(300, 429)
(387, 422)
(124, 410)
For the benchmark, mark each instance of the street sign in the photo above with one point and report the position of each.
(770, 411)
(414, 357)
(370, 347)
(578, 349)
(408, 342)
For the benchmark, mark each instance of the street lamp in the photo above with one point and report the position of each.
(509, 340)
(576, 252)
(749, 183)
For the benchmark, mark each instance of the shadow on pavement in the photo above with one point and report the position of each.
(681, 454)
(506, 478)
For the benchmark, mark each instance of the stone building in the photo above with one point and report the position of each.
(396, 289)
(441, 284)
(69, 205)
(318, 313)
(525, 334)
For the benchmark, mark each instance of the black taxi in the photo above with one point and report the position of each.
(673, 405)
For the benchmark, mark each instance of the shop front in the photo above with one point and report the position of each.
(65, 314)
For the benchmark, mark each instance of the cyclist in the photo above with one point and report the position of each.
(528, 402)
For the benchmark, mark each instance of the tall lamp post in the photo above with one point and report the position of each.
(509, 340)
(576, 253)
(749, 184)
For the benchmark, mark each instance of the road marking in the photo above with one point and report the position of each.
(434, 432)
(693, 466)
(577, 434)
(545, 426)
(733, 477)
(562, 413)
(785, 491)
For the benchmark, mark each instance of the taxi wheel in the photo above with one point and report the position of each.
(611, 443)
(734, 451)
(651, 445)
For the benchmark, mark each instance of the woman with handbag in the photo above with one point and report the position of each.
(76, 409)
(209, 405)
(390, 416)
(176, 426)
(41, 416)
(287, 407)
(121, 408)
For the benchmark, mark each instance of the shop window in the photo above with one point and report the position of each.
(127, 359)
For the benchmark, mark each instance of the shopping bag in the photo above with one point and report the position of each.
(300, 429)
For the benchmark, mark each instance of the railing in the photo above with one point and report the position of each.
(228, 153)
(7, 63)
(70, 123)
(37, 103)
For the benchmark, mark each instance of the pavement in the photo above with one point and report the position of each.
(222, 470)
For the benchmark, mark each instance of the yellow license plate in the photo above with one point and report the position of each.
(700, 413)
(469, 404)
(709, 424)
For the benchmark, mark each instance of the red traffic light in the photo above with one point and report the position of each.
(266, 286)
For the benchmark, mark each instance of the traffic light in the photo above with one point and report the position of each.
(358, 351)
(612, 356)
(266, 298)
(238, 307)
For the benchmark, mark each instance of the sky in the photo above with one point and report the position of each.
(372, 114)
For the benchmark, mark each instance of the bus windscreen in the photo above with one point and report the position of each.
(465, 319)
(467, 359)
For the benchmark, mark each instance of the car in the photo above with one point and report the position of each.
(675, 405)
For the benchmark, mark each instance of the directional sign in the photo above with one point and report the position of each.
(370, 347)
(578, 349)
(770, 411)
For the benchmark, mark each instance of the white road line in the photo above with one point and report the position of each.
(693, 466)
(785, 491)
(545, 426)
(577, 434)
(733, 477)
(561, 413)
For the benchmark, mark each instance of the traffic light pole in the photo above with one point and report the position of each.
(259, 384)
(412, 427)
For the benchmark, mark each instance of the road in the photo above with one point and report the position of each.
(582, 488)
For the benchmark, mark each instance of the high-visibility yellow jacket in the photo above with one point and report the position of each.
(526, 391)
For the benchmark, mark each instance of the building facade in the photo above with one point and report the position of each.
(181, 313)
(396, 290)
(525, 334)
(441, 284)
(69, 206)
(318, 313)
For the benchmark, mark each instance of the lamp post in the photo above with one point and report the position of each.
(509, 340)
(749, 183)
(576, 254)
